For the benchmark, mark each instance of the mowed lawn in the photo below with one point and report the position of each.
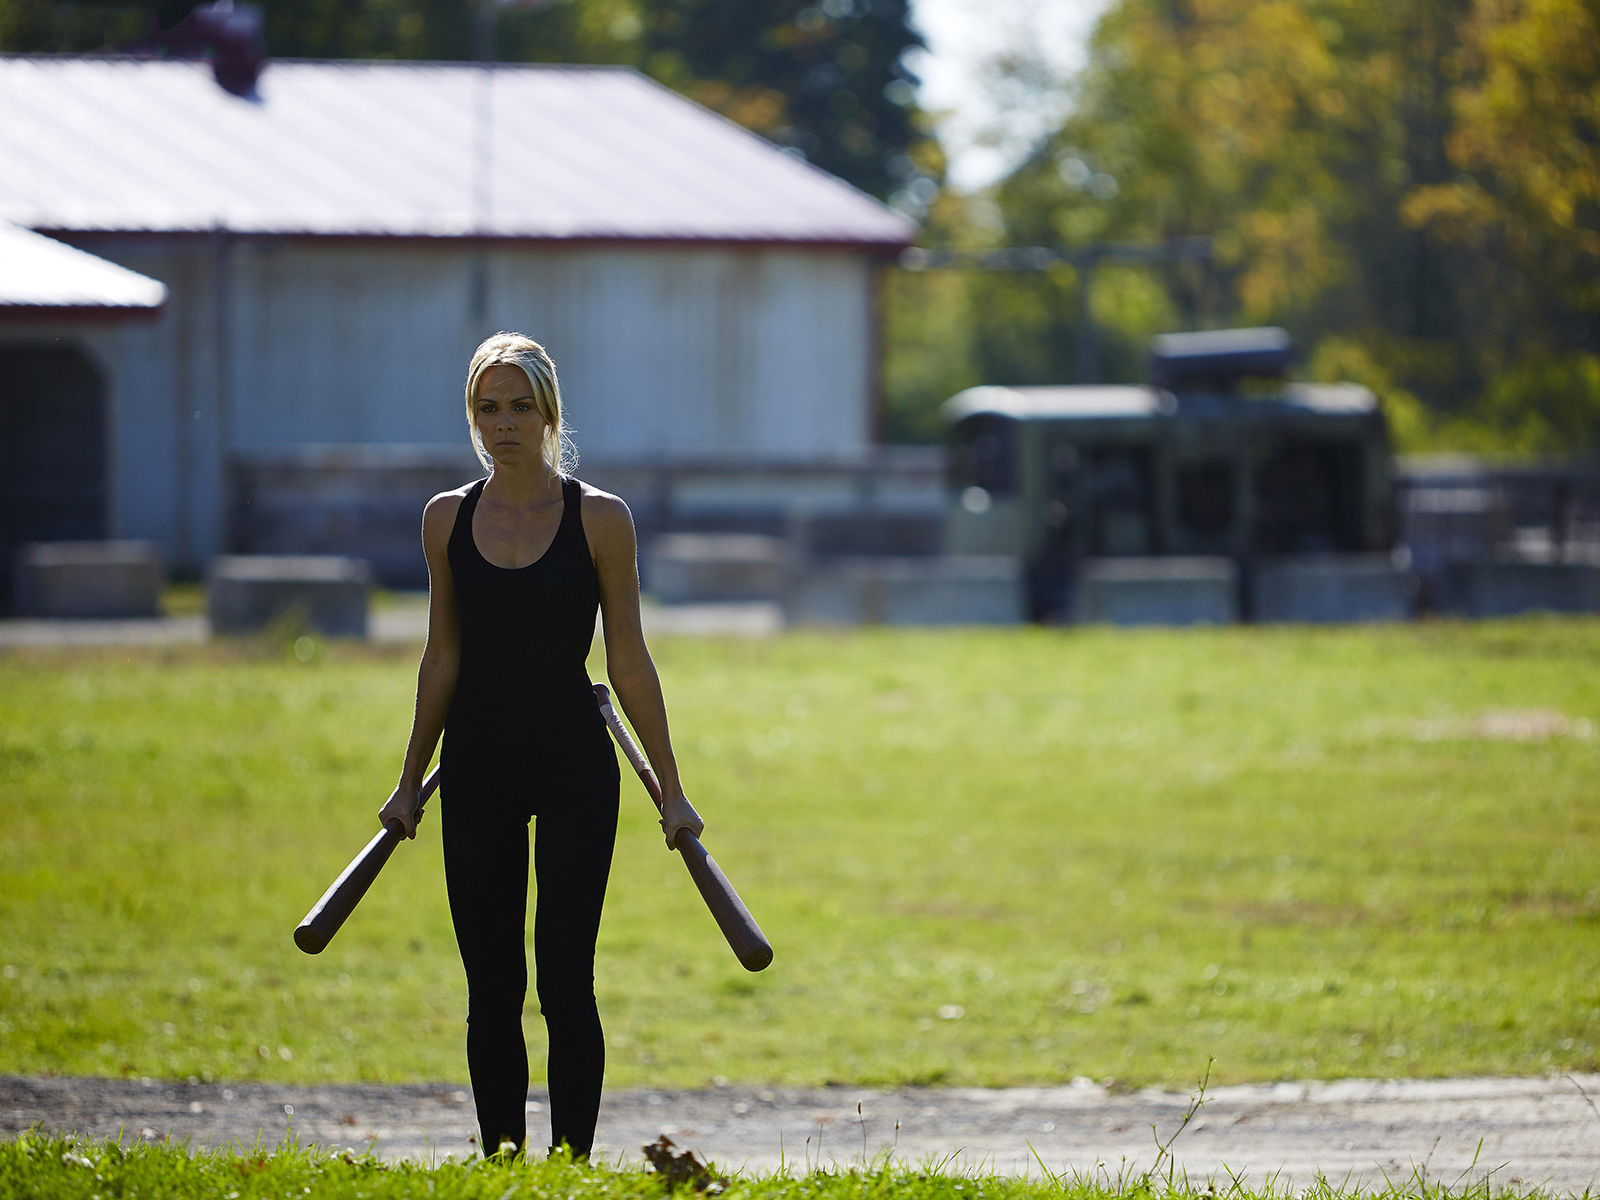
(983, 857)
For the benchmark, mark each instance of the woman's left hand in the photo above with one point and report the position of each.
(677, 813)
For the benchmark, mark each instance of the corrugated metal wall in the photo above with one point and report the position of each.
(664, 353)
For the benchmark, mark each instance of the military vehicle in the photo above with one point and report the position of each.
(1219, 456)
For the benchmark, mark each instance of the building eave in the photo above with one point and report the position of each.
(884, 250)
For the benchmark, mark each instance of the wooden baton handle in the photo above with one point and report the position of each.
(749, 944)
(326, 916)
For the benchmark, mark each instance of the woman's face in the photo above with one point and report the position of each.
(507, 418)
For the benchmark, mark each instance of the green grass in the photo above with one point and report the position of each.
(989, 857)
(43, 1167)
(189, 599)
(183, 600)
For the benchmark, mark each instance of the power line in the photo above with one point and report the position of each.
(1083, 259)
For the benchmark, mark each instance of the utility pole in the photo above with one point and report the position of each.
(483, 124)
(483, 22)
(482, 216)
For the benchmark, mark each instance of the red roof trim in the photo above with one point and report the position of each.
(36, 314)
(873, 249)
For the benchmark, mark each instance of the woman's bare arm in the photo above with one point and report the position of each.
(441, 662)
(614, 547)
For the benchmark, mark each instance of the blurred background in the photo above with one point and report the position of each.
(296, 220)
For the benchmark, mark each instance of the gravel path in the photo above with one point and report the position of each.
(1533, 1132)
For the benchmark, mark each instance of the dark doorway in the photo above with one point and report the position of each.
(52, 449)
(1120, 492)
(1051, 571)
(1308, 499)
(1205, 498)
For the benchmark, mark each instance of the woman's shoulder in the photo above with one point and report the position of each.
(603, 503)
(442, 509)
(449, 502)
(604, 514)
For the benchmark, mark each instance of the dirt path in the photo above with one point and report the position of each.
(1533, 1132)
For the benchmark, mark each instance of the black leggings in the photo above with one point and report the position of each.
(486, 873)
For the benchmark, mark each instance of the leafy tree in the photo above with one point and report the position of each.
(1524, 203)
(824, 78)
(1411, 186)
(46, 25)
(581, 31)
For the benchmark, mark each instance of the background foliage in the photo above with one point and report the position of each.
(1412, 187)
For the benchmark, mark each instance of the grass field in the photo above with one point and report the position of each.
(988, 857)
(43, 1167)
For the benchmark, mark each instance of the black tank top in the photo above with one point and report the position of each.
(523, 722)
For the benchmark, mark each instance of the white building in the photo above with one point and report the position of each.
(332, 252)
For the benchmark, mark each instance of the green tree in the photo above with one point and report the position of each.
(826, 79)
(1524, 201)
(576, 31)
(52, 27)
(1414, 184)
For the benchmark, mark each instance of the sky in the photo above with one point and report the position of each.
(986, 128)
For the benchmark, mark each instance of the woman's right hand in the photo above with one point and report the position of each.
(677, 813)
(402, 807)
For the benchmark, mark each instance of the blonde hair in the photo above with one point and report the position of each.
(518, 350)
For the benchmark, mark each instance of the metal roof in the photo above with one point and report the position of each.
(39, 275)
(385, 149)
(1101, 402)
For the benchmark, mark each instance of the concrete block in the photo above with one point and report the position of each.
(684, 568)
(866, 533)
(1454, 522)
(1157, 591)
(365, 502)
(1332, 588)
(952, 590)
(247, 592)
(88, 579)
(1504, 589)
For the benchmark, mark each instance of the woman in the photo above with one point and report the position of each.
(517, 565)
